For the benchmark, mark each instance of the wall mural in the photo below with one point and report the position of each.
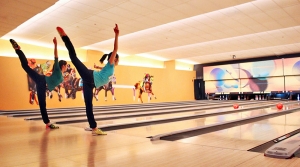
(71, 83)
(107, 87)
(224, 86)
(222, 72)
(43, 69)
(145, 86)
(270, 75)
(262, 84)
(224, 78)
(261, 69)
(292, 73)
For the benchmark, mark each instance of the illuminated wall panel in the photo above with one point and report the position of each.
(262, 84)
(221, 72)
(222, 86)
(292, 83)
(292, 66)
(258, 69)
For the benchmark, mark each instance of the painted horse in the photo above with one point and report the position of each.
(107, 87)
(42, 69)
(72, 84)
(144, 87)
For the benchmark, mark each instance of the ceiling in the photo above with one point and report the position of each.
(194, 31)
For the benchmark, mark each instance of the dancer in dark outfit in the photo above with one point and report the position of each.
(91, 78)
(42, 81)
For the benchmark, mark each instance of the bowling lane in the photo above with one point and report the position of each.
(156, 129)
(34, 114)
(162, 116)
(108, 110)
(81, 110)
(140, 112)
(245, 137)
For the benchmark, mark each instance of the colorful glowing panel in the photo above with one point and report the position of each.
(258, 69)
(221, 72)
(262, 84)
(222, 86)
(292, 66)
(292, 83)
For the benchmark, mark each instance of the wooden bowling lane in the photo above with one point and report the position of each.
(75, 112)
(245, 137)
(164, 116)
(155, 129)
(108, 110)
(111, 114)
(52, 111)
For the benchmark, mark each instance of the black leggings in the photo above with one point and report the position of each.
(88, 81)
(40, 82)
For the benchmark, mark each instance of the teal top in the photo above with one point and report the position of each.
(56, 78)
(102, 77)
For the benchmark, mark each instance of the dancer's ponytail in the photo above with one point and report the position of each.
(103, 58)
(108, 57)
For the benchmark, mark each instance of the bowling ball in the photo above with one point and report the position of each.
(235, 106)
(279, 106)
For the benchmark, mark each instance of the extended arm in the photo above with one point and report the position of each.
(55, 48)
(97, 67)
(114, 53)
(55, 65)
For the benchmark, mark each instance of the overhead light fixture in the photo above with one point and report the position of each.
(149, 56)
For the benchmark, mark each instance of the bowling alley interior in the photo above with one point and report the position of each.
(198, 83)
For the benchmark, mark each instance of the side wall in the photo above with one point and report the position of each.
(169, 84)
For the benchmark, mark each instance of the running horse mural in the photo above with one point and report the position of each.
(145, 86)
(71, 83)
(107, 87)
(42, 69)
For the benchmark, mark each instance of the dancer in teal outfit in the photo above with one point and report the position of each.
(91, 78)
(42, 81)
